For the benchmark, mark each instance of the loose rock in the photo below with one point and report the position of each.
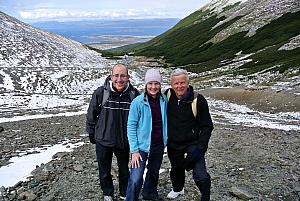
(241, 193)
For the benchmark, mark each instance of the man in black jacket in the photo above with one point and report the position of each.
(107, 128)
(188, 135)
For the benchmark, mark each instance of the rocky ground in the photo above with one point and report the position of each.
(256, 162)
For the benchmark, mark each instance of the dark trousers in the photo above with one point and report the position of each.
(135, 182)
(104, 158)
(177, 174)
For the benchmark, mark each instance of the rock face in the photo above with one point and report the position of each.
(263, 161)
(27, 195)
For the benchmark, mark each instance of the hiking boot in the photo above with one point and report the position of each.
(174, 194)
(108, 198)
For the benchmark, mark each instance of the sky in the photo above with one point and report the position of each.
(63, 10)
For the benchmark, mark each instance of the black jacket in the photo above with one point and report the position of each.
(183, 127)
(108, 123)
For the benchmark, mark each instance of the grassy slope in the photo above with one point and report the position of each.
(185, 44)
(272, 37)
(161, 38)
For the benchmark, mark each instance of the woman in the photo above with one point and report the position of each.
(147, 135)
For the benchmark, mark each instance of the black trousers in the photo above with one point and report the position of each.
(104, 158)
(177, 174)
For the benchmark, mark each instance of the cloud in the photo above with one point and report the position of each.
(46, 13)
(42, 14)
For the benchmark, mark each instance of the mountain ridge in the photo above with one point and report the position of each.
(271, 57)
(244, 37)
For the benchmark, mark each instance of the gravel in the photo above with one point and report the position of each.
(258, 161)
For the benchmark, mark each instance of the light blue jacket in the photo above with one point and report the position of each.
(139, 125)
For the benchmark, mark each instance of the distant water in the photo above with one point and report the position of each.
(89, 31)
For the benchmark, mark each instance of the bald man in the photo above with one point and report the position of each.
(106, 124)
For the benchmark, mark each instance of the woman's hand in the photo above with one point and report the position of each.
(135, 160)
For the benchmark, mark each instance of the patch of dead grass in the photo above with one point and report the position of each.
(264, 100)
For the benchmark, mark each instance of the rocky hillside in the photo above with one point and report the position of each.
(41, 71)
(252, 40)
(25, 46)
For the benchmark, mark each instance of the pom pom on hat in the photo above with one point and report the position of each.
(153, 75)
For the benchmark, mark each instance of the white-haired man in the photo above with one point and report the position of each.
(189, 131)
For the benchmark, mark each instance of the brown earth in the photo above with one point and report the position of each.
(264, 100)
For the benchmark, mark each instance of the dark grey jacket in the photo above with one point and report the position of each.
(108, 123)
(183, 128)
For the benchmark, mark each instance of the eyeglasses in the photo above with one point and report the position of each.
(122, 76)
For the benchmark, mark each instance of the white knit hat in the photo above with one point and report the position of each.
(152, 75)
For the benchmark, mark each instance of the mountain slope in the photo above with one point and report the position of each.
(245, 36)
(41, 71)
(23, 45)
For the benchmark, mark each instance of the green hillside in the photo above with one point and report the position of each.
(186, 44)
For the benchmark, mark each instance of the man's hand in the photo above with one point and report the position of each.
(92, 139)
(135, 160)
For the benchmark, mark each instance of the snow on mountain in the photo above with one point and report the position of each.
(293, 44)
(25, 46)
(33, 61)
(41, 72)
(254, 14)
(217, 6)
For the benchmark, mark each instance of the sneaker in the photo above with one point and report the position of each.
(174, 194)
(122, 197)
(108, 198)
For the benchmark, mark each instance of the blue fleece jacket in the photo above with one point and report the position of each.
(139, 125)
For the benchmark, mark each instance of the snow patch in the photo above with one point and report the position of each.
(21, 166)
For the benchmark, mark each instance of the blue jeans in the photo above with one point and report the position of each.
(135, 181)
(104, 158)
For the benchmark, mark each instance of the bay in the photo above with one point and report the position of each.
(99, 31)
